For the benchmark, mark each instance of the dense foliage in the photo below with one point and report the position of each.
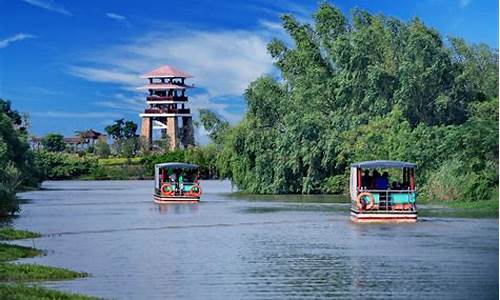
(15, 158)
(204, 157)
(126, 140)
(53, 142)
(60, 165)
(361, 88)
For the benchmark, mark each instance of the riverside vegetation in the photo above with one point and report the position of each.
(13, 276)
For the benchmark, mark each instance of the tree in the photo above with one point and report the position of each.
(53, 142)
(361, 87)
(212, 123)
(102, 149)
(124, 134)
(17, 160)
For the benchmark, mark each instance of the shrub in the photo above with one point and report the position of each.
(58, 166)
(451, 183)
(337, 184)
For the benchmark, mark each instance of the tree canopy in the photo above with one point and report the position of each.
(362, 87)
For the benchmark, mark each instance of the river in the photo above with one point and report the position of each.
(230, 247)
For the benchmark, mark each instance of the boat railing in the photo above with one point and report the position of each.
(386, 203)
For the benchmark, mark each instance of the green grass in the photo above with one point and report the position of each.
(464, 209)
(13, 252)
(31, 272)
(23, 292)
(9, 234)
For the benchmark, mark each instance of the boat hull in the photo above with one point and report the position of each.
(383, 217)
(175, 199)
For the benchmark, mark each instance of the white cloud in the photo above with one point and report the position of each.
(106, 75)
(49, 5)
(116, 16)
(79, 115)
(15, 38)
(271, 26)
(223, 63)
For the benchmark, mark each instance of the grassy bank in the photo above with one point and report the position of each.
(11, 275)
(22, 292)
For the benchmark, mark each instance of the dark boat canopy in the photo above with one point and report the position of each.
(389, 164)
(177, 165)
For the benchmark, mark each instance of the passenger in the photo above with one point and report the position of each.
(396, 185)
(382, 182)
(375, 176)
(181, 182)
(173, 177)
(366, 180)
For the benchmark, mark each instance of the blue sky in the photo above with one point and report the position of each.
(74, 65)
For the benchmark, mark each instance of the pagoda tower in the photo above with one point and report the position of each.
(167, 108)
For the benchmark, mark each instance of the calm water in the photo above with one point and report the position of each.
(227, 248)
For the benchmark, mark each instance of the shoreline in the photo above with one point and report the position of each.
(20, 280)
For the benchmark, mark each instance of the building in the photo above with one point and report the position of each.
(81, 142)
(167, 110)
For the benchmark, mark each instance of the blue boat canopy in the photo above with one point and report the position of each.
(177, 165)
(389, 164)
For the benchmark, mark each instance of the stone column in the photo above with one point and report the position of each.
(147, 130)
(188, 132)
(172, 132)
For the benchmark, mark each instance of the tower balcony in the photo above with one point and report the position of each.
(163, 112)
(167, 98)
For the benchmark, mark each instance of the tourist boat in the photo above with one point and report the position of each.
(176, 183)
(395, 203)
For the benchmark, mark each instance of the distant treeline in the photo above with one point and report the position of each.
(366, 87)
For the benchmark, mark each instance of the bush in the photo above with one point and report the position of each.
(337, 184)
(451, 183)
(10, 180)
(54, 165)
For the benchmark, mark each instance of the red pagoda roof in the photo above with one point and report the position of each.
(167, 71)
(164, 86)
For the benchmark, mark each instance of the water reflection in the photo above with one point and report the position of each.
(177, 209)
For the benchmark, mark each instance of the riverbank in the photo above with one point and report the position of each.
(15, 277)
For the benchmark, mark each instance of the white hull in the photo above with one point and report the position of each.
(381, 217)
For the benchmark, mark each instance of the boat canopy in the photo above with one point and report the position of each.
(176, 165)
(389, 164)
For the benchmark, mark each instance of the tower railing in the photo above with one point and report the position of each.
(166, 98)
(167, 111)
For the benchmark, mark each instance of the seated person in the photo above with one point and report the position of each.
(382, 182)
(366, 180)
(396, 185)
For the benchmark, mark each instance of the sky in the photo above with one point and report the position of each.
(75, 65)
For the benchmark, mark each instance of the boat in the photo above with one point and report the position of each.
(177, 183)
(375, 200)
